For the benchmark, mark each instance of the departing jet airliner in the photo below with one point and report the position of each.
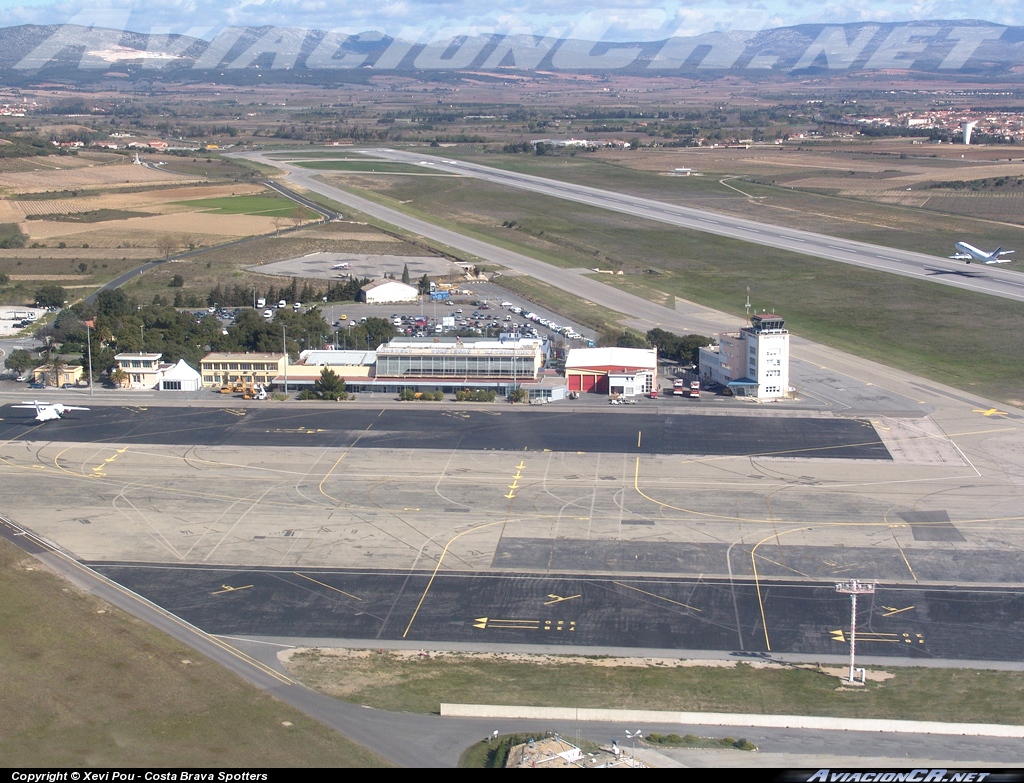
(970, 253)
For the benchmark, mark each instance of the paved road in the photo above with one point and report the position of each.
(986, 280)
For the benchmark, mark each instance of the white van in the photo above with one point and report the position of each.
(281, 304)
(268, 313)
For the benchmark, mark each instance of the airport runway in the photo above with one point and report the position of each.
(420, 426)
(978, 278)
(498, 609)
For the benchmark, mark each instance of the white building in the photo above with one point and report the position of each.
(146, 371)
(180, 377)
(387, 291)
(753, 362)
(142, 369)
(625, 372)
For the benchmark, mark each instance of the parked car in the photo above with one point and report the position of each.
(37, 385)
(69, 386)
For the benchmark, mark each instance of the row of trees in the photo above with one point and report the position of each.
(684, 349)
(120, 325)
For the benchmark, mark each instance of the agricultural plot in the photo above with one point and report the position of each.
(41, 181)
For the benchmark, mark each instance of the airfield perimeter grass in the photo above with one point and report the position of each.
(366, 165)
(268, 205)
(963, 339)
(420, 684)
(87, 685)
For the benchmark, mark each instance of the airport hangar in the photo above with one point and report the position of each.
(495, 524)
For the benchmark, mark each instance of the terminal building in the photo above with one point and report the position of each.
(454, 364)
(753, 362)
(427, 364)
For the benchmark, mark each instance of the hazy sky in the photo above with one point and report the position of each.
(421, 19)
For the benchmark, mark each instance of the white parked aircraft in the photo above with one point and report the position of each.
(970, 253)
(48, 411)
(344, 265)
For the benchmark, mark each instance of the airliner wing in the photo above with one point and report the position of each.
(961, 256)
(999, 261)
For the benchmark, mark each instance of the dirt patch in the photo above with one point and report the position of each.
(285, 656)
(47, 277)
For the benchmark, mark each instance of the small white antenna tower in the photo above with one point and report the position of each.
(748, 303)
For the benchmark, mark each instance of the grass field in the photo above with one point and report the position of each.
(406, 681)
(956, 337)
(91, 216)
(264, 205)
(875, 215)
(364, 165)
(86, 685)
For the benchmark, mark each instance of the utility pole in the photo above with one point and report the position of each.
(88, 342)
(284, 347)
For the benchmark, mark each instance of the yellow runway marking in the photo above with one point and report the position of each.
(230, 589)
(557, 599)
(893, 610)
(508, 514)
(990, 412)
(655, 595)
(329, 587)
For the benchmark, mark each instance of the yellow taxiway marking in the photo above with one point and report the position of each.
(891, 610)
(234, 411)
(98, 470)
(557, 599)
(892, 638)
(655, 595)
(990, 412)
(485, 623)
(329, 587)
(230, 589)
(452, 540)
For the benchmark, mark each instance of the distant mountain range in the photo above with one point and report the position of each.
(979, 48)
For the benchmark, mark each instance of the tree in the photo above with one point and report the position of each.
(55, 366)
(177, 281)
(424, 285)
(167, 245)
(118, 377)
(50, 295)
(20, 360)
(329, 386)
(621, 339)
(405, 275)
